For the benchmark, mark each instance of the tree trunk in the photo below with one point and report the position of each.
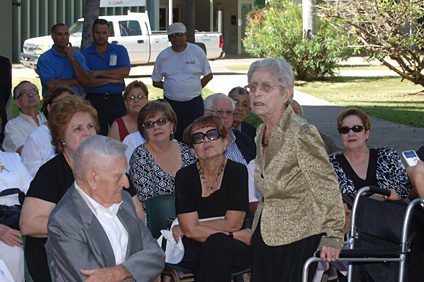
(91, 13)
(309, 18)
(190, 19)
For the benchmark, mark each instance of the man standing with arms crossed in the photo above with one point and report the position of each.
(177, 71)
(110, 61)
(61, 65)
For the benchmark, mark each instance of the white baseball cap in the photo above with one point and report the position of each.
(176, 28)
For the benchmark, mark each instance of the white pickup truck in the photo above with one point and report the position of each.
(132, 31)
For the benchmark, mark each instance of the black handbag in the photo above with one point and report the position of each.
(9, 215)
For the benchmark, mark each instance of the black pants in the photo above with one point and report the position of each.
(282, 263)
(187, 112)
(216, 258)
(109, 107)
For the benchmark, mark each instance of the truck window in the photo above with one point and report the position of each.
(76, 29)
(129, 28)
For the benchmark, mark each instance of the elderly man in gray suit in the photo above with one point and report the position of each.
(94, 231)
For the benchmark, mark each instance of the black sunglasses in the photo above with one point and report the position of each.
(199, 137)
(151, 124)
(355, 128)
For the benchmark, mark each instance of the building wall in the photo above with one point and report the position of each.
(6, 29)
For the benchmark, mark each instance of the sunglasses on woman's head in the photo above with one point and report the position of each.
(355, 128)
(199, 137)
(151, 124)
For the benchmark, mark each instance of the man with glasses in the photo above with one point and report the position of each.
(178, 71)
(17, 129)
(109, 64)
(241, 148)
(241, 100)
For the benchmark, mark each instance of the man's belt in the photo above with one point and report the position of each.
(106, 95)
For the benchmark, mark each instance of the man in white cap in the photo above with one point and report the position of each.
(182, 70)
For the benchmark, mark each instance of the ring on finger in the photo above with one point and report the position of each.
(334, 257)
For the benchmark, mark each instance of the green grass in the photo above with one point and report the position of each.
(238, 68)
(341, 67)
(383, 97)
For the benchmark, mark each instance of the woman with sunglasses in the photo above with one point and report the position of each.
(211, 204)
(153, 165)
(301, 209)
(360, 166)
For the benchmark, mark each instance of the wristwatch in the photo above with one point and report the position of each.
(231, 234)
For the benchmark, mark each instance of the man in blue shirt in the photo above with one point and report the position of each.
(61, 65)
(109, 61)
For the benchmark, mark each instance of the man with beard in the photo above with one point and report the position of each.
(108, 64)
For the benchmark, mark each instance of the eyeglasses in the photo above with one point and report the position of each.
(151, 124)
(221, 113)
(199, 137)
(355, 128)
(243, 106)
(264, 87)
(177, 34)
(139, 97)
(26, 93)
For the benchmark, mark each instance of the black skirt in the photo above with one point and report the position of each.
(282, 263)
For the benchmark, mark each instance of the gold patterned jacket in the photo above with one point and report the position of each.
(301, 195)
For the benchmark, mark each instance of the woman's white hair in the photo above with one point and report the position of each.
(281, 69)
(102, 146)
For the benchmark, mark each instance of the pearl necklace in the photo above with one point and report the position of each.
(218, 177)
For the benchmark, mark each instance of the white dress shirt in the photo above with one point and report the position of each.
(18, 129)
(13, 175)
(112, 225)
(38, 149)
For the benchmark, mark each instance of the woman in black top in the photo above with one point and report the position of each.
(213, 187)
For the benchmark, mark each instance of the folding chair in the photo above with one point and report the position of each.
(158, 210)
(380, 248)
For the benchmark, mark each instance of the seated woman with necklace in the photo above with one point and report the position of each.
(211, 203)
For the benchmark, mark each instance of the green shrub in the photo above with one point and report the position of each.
(276, 30)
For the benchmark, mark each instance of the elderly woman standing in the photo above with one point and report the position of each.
(301, 210)
(360, 166)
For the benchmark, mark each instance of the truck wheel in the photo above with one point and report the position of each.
(202, 45)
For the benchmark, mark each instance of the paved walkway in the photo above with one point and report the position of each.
(319, 112)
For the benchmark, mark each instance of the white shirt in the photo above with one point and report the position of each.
(254, 195)
(182, 72)
(112, 225)
(132, 141)
(13, 175)
(38, 149)
(18, 129)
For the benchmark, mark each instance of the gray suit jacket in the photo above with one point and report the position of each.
(76, 240)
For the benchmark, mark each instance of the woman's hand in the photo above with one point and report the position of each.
(10, 236)
(329, 253)
(243, 235)
(177, 233)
